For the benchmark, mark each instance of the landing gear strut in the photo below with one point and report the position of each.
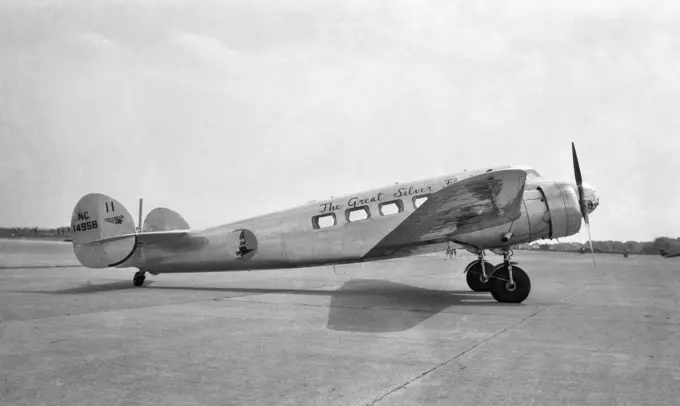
(477, 274)
(138, 279)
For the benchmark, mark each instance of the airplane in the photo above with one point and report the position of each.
(487, 209)
(665, 254)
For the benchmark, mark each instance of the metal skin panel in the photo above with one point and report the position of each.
(565, 212)
(537, 216)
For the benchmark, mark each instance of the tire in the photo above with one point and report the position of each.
(499, 285)
(473, 274)
(138, 280)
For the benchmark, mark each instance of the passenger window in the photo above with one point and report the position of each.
(358, 214)
(324, 220)
(392, 207)
(419, 200)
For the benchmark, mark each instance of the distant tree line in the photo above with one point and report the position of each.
(668, 244)
(60, 233)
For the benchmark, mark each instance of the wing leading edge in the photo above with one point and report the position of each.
(483, 201)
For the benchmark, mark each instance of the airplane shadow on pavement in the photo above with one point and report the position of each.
(379, 306)
(92, 288)
(359, 305)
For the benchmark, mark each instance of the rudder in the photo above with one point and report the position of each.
(95, 217)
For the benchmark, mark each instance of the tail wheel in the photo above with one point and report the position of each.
(504, 291)
(138, 279)
(474, 275)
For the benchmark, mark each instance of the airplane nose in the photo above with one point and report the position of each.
(591, 197)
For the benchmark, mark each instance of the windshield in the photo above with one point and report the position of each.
(532, 174)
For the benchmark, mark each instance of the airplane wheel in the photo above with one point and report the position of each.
(474, 273)
(138, 279)
(501, 289)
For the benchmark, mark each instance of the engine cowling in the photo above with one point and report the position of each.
(562, 207)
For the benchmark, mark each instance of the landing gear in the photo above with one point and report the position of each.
(138, 279)
(477, 274)
(507, 282)
(510, 284)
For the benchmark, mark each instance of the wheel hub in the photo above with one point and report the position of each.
(510, 286)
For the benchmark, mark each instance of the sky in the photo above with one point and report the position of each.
(223, 110)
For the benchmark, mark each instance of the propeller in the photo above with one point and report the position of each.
(581, 198)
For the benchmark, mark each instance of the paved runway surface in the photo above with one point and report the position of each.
(397, 332)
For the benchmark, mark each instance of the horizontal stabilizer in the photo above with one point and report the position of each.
(483, 201)
(144, 238)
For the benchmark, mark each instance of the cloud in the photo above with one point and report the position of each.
(94, 39)
(205, 48)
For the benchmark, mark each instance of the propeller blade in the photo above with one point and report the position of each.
(590, 242)
(579, 181)
(577, 167)
(581, 198)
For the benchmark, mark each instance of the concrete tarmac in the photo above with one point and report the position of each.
(397, 332)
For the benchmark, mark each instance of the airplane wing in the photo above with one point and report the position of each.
(476, 203)
(144, 238)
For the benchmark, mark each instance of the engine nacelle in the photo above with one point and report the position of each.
(550, 210)
(563, 208)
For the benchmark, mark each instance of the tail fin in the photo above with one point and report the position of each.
(162, 219)
(96, 217)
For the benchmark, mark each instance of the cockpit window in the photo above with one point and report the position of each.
(532, 174)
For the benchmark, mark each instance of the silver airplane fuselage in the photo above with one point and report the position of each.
(293, 238)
